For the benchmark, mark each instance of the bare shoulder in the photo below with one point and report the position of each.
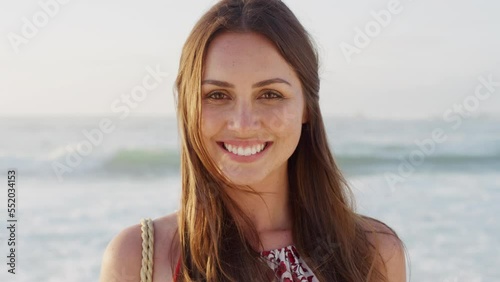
(391, 248)
(122, 258)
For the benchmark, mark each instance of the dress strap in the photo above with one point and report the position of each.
(177, 269)
(147, 235)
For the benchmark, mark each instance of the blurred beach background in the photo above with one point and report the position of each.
(410, 92)
(446, 210)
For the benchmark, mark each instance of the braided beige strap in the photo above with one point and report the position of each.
(147, 249)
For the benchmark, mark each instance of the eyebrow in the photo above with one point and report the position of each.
(256, 85)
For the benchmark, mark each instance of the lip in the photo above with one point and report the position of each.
(247, 143)
(245, 159)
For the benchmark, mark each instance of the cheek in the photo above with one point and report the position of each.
(209, 122)
(284, 119)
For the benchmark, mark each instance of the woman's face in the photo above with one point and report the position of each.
(251, 97)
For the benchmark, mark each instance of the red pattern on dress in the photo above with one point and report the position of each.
(286, 263)
(288, 266)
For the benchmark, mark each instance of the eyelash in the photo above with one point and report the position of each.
(276, 95)
(209, 96)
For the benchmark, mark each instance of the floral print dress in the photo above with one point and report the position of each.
(288, 266)
(286, 263)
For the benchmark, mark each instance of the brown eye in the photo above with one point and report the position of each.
(216, 95)
(272, 95)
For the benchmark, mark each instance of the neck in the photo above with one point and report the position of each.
(271, 211)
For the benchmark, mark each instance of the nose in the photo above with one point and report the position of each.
(244, 118)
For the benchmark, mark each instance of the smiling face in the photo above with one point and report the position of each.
(252, 108)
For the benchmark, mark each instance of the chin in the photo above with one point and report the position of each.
(242, 180)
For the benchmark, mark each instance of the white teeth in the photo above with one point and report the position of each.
(244, 151)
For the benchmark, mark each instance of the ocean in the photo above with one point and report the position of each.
(82, 180)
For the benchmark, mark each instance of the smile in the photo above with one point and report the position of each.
(245, 154)
(245, 151)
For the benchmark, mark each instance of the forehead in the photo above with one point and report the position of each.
(244, 55)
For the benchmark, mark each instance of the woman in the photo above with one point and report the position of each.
(262, 197)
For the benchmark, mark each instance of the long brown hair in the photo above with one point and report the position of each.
(215, 234)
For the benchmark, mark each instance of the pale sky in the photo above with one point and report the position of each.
(89, 53)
